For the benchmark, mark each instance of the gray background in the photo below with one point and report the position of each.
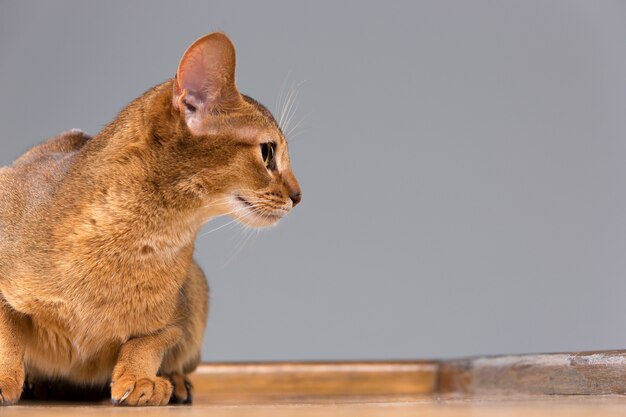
(463, 164)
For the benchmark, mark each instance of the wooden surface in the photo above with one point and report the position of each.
(347, 381)
(565, 384)
(581, 373)
(574, 406)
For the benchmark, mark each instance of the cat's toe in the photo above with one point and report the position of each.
(182, 392)
(10, 390)
(133, 391)
(162, 392)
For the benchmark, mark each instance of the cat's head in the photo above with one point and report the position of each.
(239, 152)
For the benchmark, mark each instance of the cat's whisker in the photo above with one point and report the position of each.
(246, 232)
(217, 228)
(293, 107)
(220, 227)
(258, 200)
(218, 201)
(253, 210)
(296, 135)
(287, 105)
(281, 96)
(292, 111)
(290, 133)
(213, 204)
(229, 223)
(255, 206)
(288, 110)
(283, 109)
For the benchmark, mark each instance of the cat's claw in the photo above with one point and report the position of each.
(133, 391)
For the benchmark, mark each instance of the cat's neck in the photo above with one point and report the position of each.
(138, 197)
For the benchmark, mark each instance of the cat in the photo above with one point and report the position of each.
(98, 283)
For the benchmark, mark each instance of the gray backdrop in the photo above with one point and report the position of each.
(463, 164)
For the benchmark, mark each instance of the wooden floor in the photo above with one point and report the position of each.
(444, 407)
(566, 384)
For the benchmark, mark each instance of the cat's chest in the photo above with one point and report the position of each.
(136, 282)
(129, 306)
(114, 306)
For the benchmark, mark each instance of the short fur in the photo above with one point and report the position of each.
(97, 279)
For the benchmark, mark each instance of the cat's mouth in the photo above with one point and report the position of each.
(257, 212)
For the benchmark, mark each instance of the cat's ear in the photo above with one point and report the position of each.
(205, 80)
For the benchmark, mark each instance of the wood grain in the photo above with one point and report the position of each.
(346, 381)
(581, 373)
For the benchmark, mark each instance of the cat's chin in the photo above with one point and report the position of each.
(259, 222)
(253, 216)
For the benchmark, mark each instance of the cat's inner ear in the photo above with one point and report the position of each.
(205, 80)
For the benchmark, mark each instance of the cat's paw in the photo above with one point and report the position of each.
(182, 392)
(131, 390)
(10, 389)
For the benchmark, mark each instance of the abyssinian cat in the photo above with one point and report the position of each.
(98, 283)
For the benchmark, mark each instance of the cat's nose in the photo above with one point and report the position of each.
(292, 187)
(295, 198)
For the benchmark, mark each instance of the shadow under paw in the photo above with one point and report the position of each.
(61, 390)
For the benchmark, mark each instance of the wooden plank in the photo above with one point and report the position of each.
(262, 382)
(582, 373)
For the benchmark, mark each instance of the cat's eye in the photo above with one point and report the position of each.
(267, 152)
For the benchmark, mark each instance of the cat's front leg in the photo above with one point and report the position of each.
(134, 380)
(11, 354)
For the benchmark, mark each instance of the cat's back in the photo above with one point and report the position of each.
(26, 185)
(39, 157)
